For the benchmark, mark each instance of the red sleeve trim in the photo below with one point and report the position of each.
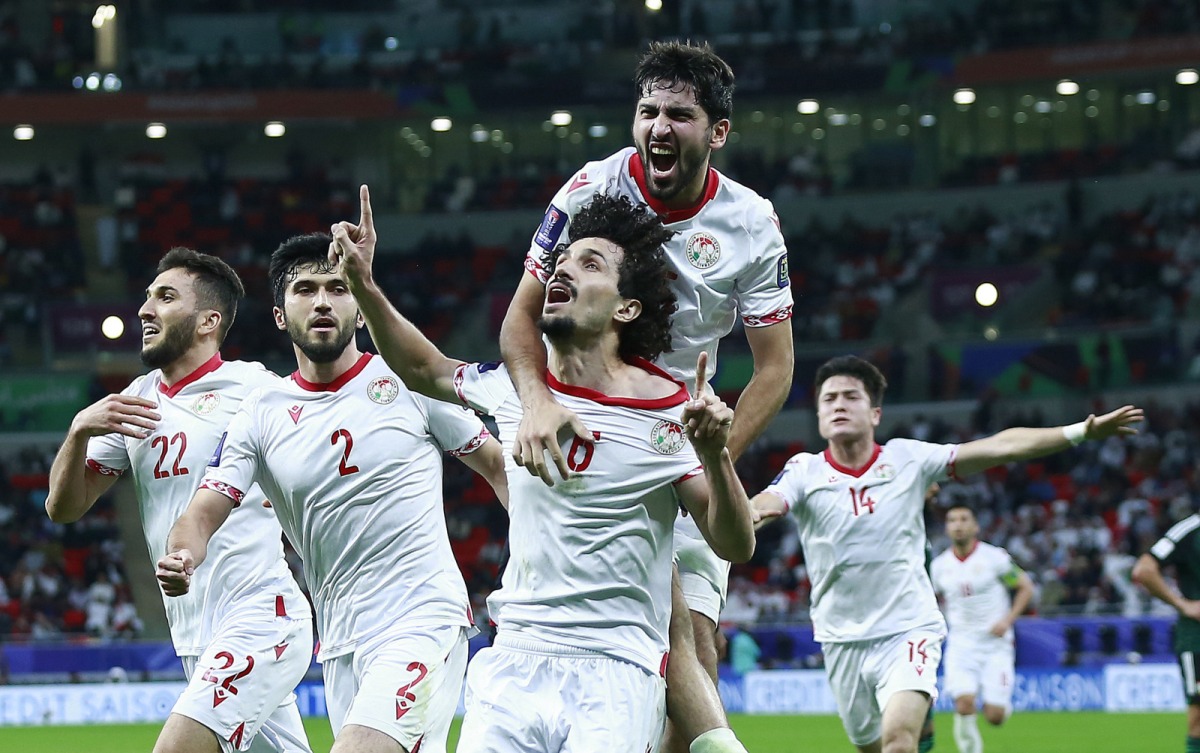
(537, 270)
(220, 487)
(103, 470)
(460, 376)
(951, 467)
(766, 320)
(483, 436)
(697, 471)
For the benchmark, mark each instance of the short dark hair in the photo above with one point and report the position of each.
(678, 63)
(643, 274)
(217, 285)
(962, 506)
(310, 249)
(853, 366)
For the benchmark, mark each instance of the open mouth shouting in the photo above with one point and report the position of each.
(663, 159)
(559, 292)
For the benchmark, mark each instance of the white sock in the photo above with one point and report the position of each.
(720, 740)
(966, 734)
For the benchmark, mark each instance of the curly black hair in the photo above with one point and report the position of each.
(852, 366)
(644, 269)
(678, 63)
(310, 249)
(217, 285)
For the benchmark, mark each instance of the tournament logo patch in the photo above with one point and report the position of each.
(215, 460)
(702, 250)
(206, 403)
(667, 437)
(383, 390)
(781, 272)
(551, 228)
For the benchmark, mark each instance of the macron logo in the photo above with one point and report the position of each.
(294, 412)
(580, 181)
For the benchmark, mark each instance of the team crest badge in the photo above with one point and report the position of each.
(383, 390)
(667, 437)
(206, 403)
(885, 471)
(702, 250)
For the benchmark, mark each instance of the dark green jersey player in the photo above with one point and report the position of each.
(1180, 547)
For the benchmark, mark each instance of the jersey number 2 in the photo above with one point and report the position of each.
(344, 467)
(162, 443)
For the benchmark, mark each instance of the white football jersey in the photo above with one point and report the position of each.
(245, 568)
(353, 469)
(728, 255)
(863, 535)
(974, 590)
(590, 557)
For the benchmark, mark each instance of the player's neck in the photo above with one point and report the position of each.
(853, 453)
(962, 551)
(595, 368)
(187, 363)
(324, 373)
(691, 194)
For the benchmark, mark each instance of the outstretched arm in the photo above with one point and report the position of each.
(406, 350)
(1016, 444)
(187, 544)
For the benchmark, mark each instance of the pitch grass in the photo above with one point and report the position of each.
(1092, 732)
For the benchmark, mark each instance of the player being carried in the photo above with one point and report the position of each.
(583, 612)
(244, 634)
(726, 261)
(859, 510)
(351, 461)
(974, 579)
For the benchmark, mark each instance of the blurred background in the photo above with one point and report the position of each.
(995, 201)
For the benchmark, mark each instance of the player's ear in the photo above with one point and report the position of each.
(720, 132)
(280, 318)
(209, 322)
(630, 309)
(876, 414)
(359, 322)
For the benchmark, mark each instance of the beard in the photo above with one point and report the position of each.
(174, 342)
(687, 167)
(319, 351)
(557, 328)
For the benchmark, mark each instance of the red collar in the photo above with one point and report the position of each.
(679, 397)
(336, 384)
(638, 171)
(855, 472)
(207, 367)
(964, 559)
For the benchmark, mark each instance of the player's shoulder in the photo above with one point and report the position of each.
(902, 448)
(144, 385)
(754, 211)
(800, 464)
(943, 559)
(597, 176)
(1184, 528)
(251, 373)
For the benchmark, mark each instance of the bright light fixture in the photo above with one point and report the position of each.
(156, 131)
(274, 129)
(560, 118)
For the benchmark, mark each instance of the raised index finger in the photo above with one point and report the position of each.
(701, 374)
(365, 220)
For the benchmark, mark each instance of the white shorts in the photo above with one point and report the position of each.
(984, 668)
(703, 575)
(241, 686)
(530, 697)
(864, 675)
(404, 684)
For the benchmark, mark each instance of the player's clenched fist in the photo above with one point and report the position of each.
(174, 572)
(706, 417)
(353, 246)
(117, 414)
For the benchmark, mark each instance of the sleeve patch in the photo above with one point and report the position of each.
(103, 470)
(551, 228)
(460, 376)
(215, 460)
(473, 445)
(220, 487)
(765, 320)
(781, 272)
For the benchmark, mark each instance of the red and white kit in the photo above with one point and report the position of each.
(243, 603)
(729, 261)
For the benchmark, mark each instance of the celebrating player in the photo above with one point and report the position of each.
(583, 612)
(858, 508)
(1180, 546)
(727, 259)
(351, 461)
(244, 633)
(974, 578)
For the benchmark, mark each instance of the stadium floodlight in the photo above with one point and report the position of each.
(93, 82)
(560, 118)
(112, 327)
(1067, 87)
(103, 15)
(274, 129)
(986, 294)
(441, 124)
(156, 131)
(479, 134)
(654, 5)
(390, 44)
(927, 120)
(808, 107)
(1145, 98)
(1043, 106)
(112, 82)
(1187, 76)
(23, 133)
(598, 130)
(839, 119)
(964, 97)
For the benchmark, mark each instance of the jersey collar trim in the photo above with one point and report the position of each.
(336, 384)
(968, 555)
(855, 472)
(637, 171)
(207, 367)
(679, 397)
